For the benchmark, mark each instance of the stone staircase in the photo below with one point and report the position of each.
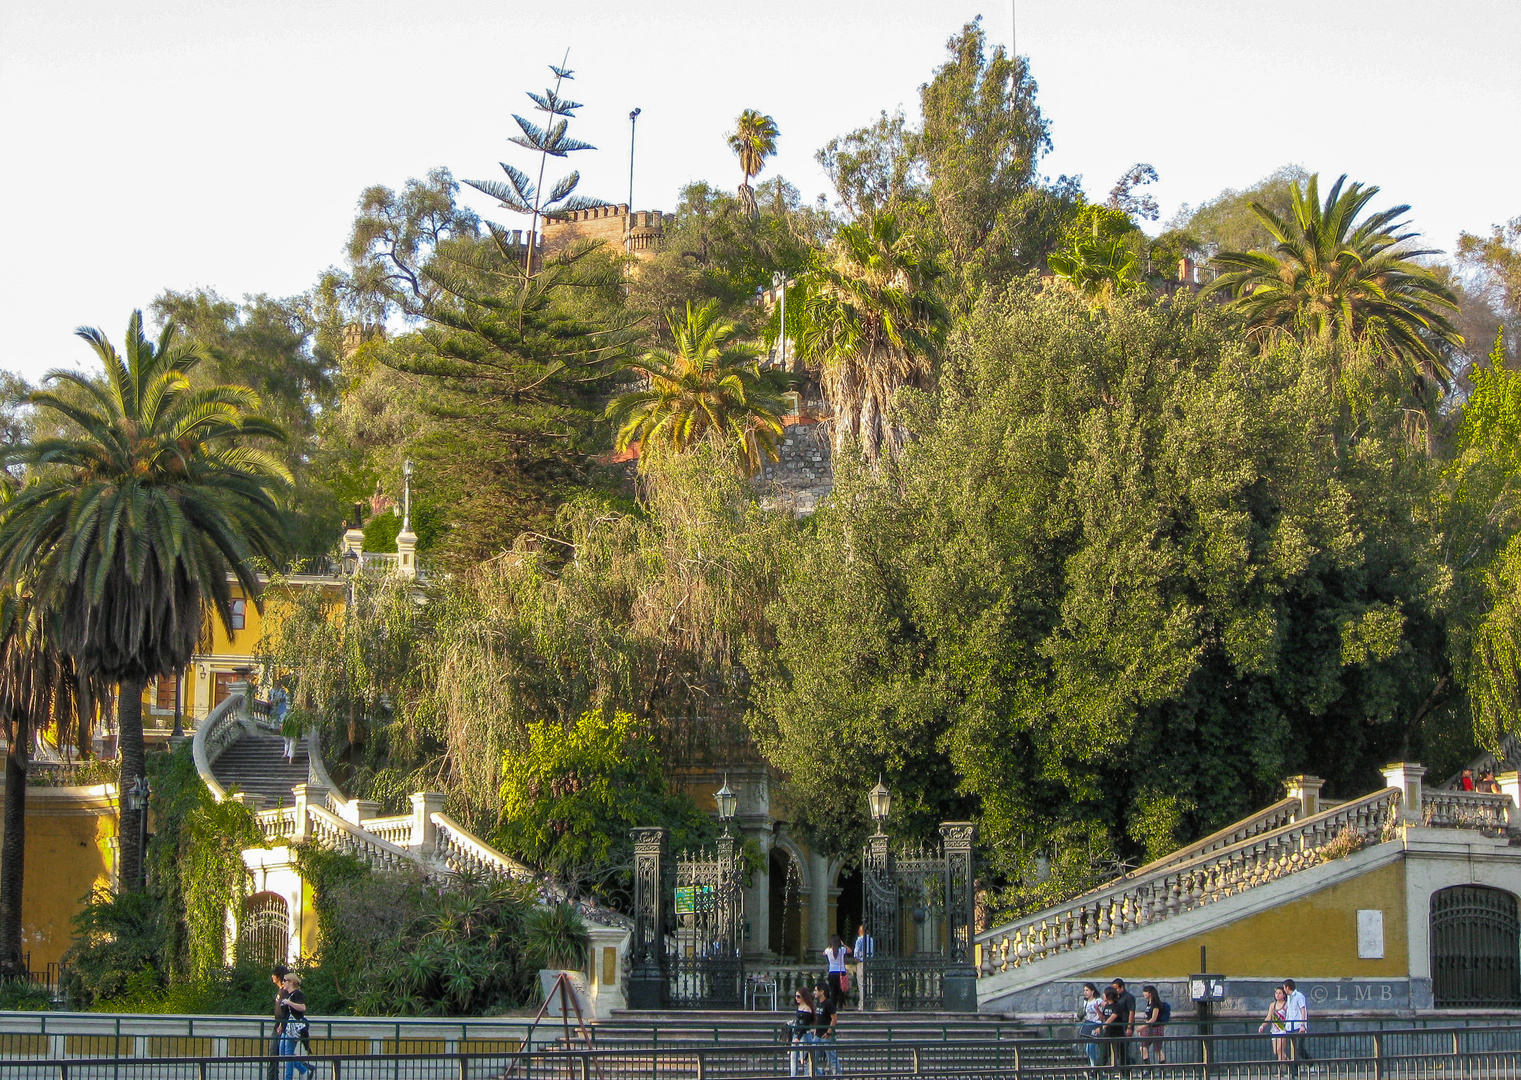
(256, 765)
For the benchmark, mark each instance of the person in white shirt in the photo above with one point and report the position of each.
(863, 949)
(1296, 1021)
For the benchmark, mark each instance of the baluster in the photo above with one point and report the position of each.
(1069, 931)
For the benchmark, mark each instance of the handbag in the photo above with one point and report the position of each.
(844, 983)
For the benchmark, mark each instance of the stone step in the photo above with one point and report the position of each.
(256, 765)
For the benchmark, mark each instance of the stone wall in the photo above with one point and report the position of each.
(639, 232)
(806, 468)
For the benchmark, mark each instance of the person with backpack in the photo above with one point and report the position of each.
(1155, 1015)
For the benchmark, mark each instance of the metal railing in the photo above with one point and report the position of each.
(1489, 1052)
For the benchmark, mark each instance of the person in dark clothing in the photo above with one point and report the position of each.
(292, 1024)
(824, 1010)
(1112, 1030)
(1125, 1002)
(277, 976)
(802, 1028)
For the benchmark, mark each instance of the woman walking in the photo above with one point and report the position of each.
(802, 1024)
(1091, 1014)
(1114, 1020)
(1155, 1013)
(292, 1017)
(1273, 1024)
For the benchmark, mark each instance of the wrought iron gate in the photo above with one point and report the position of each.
(918, 911)
(1475, 948)
(704, 961)
(264, 936)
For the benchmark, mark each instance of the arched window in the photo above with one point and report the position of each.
(1475, 948)
(237, 614)
(264, 936)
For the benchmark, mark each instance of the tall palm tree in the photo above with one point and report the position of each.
(871, 326)
(754, 140)
(135, 517)
(1329, 276)
(707, 388)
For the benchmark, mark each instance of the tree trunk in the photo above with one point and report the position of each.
(13, 851)
(129, 726)
(84, 715)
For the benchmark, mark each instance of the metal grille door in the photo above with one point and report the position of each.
(705, 967)
(264, 937)
(1475, 948)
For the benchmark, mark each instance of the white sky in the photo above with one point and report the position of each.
(223, 143)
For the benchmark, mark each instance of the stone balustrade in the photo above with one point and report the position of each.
(1465, 810)
(277, 825)
(1142, 900)
(332, 832)
(394, 830)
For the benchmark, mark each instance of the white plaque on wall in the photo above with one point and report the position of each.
(1370, 935)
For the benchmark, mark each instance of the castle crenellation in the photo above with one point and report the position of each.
(637, 231)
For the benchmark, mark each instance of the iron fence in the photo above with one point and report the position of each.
(1493, 1053)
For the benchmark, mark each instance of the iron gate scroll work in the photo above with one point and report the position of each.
(705, 965)
(1475, 948)
(918, 916)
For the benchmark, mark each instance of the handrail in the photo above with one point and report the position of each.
(331, 831)
(1281, 813)
(396, 830)
(316, 771)
(1510, 751)
(213, 736)
(1465, 810)
(277, 824)
(1131, 904)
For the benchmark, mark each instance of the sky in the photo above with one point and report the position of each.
(223, 144)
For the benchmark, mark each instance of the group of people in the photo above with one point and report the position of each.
(1486, 784)
(1110, 1019)
(290, 1024)
(813, 1022)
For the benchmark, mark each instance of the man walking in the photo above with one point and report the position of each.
(278, 977)
(1296, 1022)
(824, 1012)
(1125, 1013)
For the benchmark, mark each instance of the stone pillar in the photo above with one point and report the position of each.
(307, 796)
(424, 805)
(1406, 775)
(819, 908)
(356, 811)
(1510, 784)
(607, 957)
(243, 798)
(956, 839)
(1307, 790)
(353, 541)
(758, 895)
(406, 553)
(646, 979)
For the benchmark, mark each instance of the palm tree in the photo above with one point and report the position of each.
(871, 326)
(135, 517)
(1329, 276)
(707, 388)
(38, 685)
(754, 140)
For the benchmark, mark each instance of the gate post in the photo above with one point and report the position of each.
(646, 978)
(960, 900)
(879, 974)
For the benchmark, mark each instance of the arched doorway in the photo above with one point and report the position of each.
(1475, 948)
(264, 934)
(849, 907)
(785, 937)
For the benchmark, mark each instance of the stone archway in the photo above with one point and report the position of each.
(1475, 948)
(789, 896)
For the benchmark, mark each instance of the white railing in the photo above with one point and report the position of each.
(278, 824)
(1465, 810)
(1141, 901)
(213, 736)
(463, 852)
(332, 832)
(1281, 813)
(395, 830)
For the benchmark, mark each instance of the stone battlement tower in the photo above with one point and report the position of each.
(636, 232)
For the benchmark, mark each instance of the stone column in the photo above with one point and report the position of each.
(1406, 775)
(1510, 784)
(1307, 790)
(607, 956)
(307, 796)
(957, 838)
(406, 553)
(819, 908)
(646, 979)
(424, 805)
(758, 895)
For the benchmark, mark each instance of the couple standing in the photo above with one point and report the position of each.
(813, 1025)
(1287, 1021)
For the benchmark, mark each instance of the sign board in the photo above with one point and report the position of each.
(686, 900)
(1370, 935)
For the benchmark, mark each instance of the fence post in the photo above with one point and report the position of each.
(1204, 1056)
(202, 1069)
(1018, 1064)
(1455, 1050)
(337, 1069)
(464, 1067)
(586, 1067)
(1378, 1055)
(702, 1059)
(919, 1065)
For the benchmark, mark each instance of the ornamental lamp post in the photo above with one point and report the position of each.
(728, 802)
(881, 801)
(137, 797)
(406, 495)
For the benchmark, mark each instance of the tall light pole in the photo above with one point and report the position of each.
(633, 120)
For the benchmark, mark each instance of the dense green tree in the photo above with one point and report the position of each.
(394, 237)
(1128, 575)
(131, 526)
(1228, 223)
(753, 141)
(1497, 260)
(982, 140)
(872, 325)
(1329, 276)
(1099, 256)
(876, 168)
(707, 387)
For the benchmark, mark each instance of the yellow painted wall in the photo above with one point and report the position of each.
(1315, 937)
(69, 834)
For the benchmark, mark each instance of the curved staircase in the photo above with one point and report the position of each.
(256, 765)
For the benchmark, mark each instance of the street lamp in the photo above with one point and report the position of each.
(406, 496)
(779, 283)
(728, 802)
(137, 801)
(881, 801)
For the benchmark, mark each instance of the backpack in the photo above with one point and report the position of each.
(1166, 1014)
